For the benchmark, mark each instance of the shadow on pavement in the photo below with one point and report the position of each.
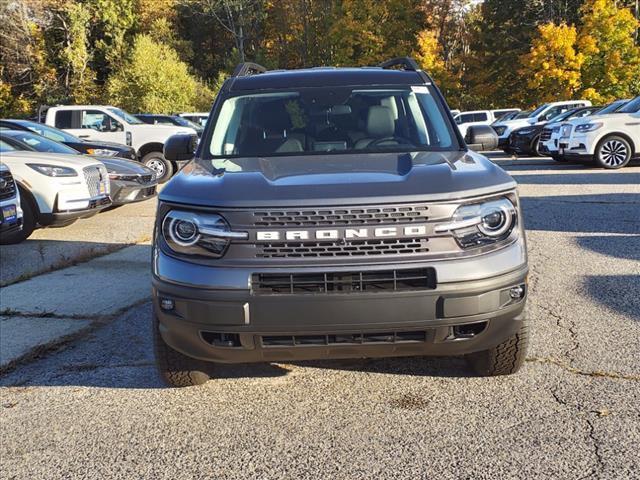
(619, 246)
(617, 292)
(585, 178)
(121, 355)
(597, 213)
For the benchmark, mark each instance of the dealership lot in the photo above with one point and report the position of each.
(94, 405)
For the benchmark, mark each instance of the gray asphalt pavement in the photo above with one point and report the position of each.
(96, 408)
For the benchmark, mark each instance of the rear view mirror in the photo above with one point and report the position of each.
(180, 147)
(481, 138)
(340, 110)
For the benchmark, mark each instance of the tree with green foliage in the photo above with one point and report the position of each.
(153, 80)
(78, 79)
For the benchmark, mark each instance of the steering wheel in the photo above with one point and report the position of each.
(398, 140)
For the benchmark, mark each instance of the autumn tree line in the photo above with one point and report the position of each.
(172, 55)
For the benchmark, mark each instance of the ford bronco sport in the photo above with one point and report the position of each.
(336, 213)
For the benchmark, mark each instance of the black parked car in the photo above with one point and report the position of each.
(155, 119)
(526, 140)
(89, 147)
(129, 181)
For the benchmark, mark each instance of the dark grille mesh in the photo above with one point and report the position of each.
(409, 246)
(9, 190)
(341, 216)
(546, 134)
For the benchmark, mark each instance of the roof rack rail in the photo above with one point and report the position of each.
(407, 62)
(248, 68)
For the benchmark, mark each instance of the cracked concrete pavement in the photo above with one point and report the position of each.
(96, 408)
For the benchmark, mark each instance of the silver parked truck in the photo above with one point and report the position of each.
(336, 213)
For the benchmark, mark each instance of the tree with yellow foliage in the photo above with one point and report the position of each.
(612, 59)
(430, 57)
(553, 66)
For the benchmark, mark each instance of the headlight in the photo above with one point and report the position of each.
(588, 127)
(500, 130)
(566, 130)
(556, 130)
(53, 170)
(482, 223)
(102, 152)
(200, 234)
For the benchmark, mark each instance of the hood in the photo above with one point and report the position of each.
(62, 159)
(124, 167)
(101, 143)
(520, 122)
(336, 180)
(598, 118)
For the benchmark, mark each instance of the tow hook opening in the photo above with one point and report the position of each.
(467, 331)
(222, 339)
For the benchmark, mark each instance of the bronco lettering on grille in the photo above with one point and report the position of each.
(338, 234)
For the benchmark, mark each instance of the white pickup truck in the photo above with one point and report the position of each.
(111, 124)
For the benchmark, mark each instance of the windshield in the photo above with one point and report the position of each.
(5, 147)
(613, 107)
(343, 120)
(537, 111)
(125, 116)
(41, 144)
(49, 132)
(186, 123)
(632, 107)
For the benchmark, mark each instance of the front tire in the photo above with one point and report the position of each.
(29, 220)
(503, 359)
(156, 162)
(175, 368)
(613, 152)
(535, 147)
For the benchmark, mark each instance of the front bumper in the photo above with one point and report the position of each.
(232, 325)
(123, 192)
(521, 144)
(62, 218)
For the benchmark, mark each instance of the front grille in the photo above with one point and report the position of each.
(546, 134)
(352, 248)
(93, 178)
(9, 188)
(342, 216)
(344, 282)
(275, 341)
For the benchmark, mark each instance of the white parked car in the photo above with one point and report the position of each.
(541, 114)
(480, 117)
(55, 189)
(10, 211)
(553, 131)
(611, 141)
(107, 123)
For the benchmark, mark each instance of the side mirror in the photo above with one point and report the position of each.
(180, 147)
(481, 138)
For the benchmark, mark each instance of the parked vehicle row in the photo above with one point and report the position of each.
(58, 185)
(608, 136)
(107, 123)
